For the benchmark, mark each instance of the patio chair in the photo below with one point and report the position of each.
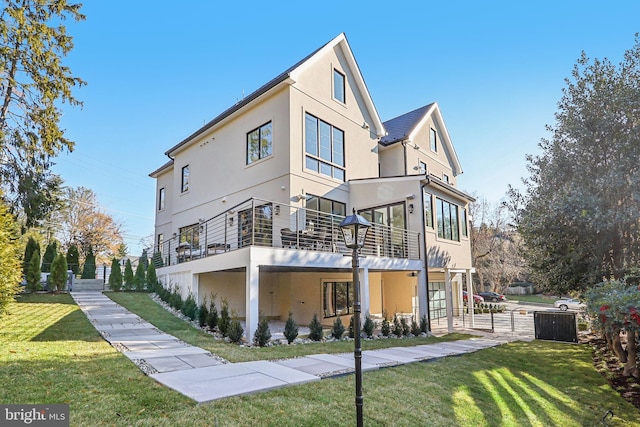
(288, 238)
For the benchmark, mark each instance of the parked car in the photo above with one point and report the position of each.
(492, 296)
(569, 303)
(476, 298)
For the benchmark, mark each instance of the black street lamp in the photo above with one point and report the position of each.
(354, 230)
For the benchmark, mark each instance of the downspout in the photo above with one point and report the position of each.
(426, 257)
(404, 157)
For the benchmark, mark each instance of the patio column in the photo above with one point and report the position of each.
(252, 299)
(470, 294)
(195, 287)
(365, 298)
(423, 298)
(448, 294)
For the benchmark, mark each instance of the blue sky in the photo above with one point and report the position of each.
(158, 70)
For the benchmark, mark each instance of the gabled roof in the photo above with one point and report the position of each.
(405, 127)
(290, 76)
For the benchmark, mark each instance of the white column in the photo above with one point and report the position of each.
(252, 300)
(423, 297)
(365, 297)
(470, 293)
(195, 287)
(448, 294)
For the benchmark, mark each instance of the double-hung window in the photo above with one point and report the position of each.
(338, 86)
(433, 143)
(448, 224)
(259, 143)
(324, 148)
(161, 195)
(184, 184)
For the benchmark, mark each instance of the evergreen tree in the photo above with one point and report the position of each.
(89, 268)
(58, 276)
(368, 326)
(9, 257)
(49, 255)
(32, 246)
(338, 329)
(128, 279)
(290, 329)
(315, 329)
(34, 275)
(144, 259)
(73, 258)
(115, 278)
(140, 278)
(35, 83)
(225, 318)
(262, 335)
(152, 278)
(212, 318)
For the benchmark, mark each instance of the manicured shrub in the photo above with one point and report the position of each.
(224, 321)
(351, 332)
(31, 247)
(396, 329)
(235, 331)
(262, 335)
(58, 276)
(128, 279)
(175, 300)
(368, 326)
(315, 329)
(406, 327)
(115, 278)
(10, 273)
(140, 279)
(424, 324)
(33, 273)
(73, 259)
(385, 329)
(49, 255)
(290, 329)
(212, 318)
(337, 330)
(189, 307)
(89, 267)
(415, 328)
(152, 278)
(203, 312)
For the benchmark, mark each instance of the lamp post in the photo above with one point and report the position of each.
(354, 230)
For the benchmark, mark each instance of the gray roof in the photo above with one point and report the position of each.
(400, 127)
(238, 105)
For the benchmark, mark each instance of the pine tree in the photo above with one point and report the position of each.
(152, 278)
(128, 279)
(140, 278)
(9, 257)
(315, 329)
(144, 259)
(58, 276)
(49, 255)
(290, 329)
(34, 275)
(262, 335)
(115, 278)
(89, 268)
(338, 329)
(32, 246)
(225, 318)
(73, 258)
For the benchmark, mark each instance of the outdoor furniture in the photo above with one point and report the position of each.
(216, 248)
(288, 237)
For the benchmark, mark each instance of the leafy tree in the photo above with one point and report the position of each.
(9, 257)
(73, 258)
(34, 275)
(140, 278)
(290, 329)
(58, 276)
(49, 255)
(115, 278)
(34, 83)
(31, 247)
(128, 279)
(89, 268)
(578, 211)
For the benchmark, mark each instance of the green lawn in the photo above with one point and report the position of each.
(538, 298)
(50, 353)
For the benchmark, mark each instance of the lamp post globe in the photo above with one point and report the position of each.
(354, 230)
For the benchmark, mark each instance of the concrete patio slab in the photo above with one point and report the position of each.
(167, 364)
(339, 361)
(371, 359)
(146, 354)
(395, 355)
(200, 360)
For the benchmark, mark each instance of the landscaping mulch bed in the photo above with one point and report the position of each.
(607, 363)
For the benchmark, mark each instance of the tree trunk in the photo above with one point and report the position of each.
(618, 349)
(631, 367)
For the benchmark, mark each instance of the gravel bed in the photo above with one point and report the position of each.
(145, 367)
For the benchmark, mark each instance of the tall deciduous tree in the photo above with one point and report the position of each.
(33, 81)
(578, 214)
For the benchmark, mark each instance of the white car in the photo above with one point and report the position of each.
(569, 303)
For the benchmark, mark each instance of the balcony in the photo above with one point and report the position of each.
(264, 223)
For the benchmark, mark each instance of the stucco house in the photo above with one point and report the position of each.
(247, 206)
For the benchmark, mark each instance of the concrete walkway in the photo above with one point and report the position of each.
(204, 377)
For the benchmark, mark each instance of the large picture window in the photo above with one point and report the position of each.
(338, 298)
(324, 147)
(259, 143)
(447, 214)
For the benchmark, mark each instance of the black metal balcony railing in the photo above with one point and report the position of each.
(265, 223)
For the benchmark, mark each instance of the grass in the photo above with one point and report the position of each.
(538, 298)
(50, 353)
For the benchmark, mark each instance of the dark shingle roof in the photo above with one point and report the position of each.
(400, 127)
